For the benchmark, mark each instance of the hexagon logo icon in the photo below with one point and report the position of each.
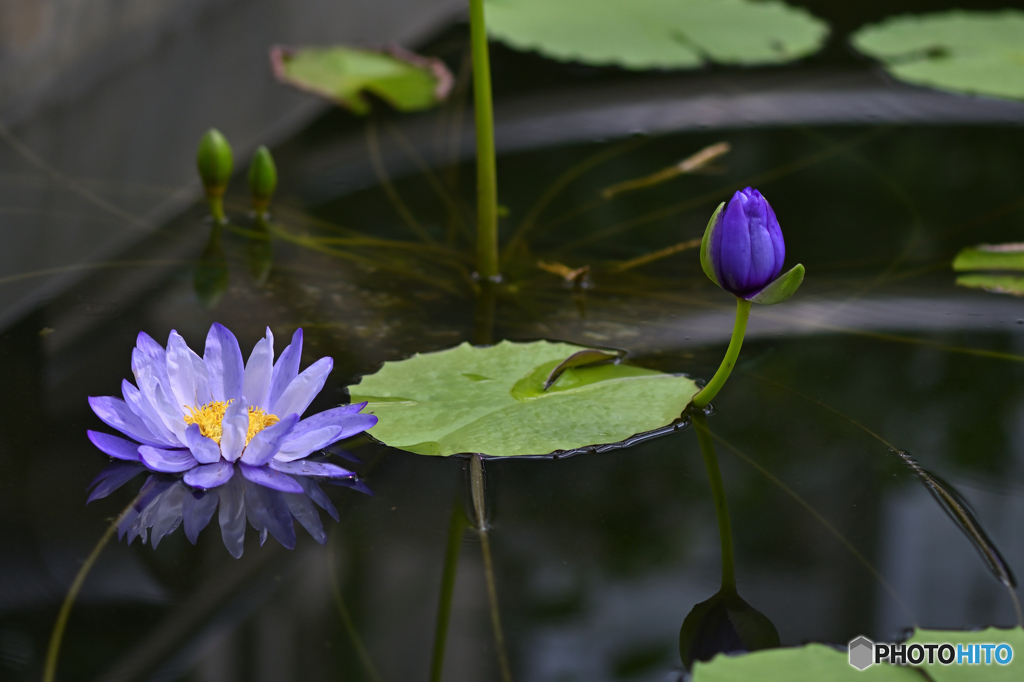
(862, 653)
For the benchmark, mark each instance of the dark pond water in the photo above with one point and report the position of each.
(598, 557)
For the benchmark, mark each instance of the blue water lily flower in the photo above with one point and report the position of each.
(216, 423)
(743, 250)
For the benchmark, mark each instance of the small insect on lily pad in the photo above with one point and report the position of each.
(345, 75)
(978, 53)
(492, 400)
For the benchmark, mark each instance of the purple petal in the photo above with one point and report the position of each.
(264, 444)
(300, 392)
(206, 476)
(346, 417)
(115, 413)
(167, 461)
(112, 478)
(258, 372)
(189, 380)
(234, 429)
(196, 512)
(267, 510)
(114, 446)
(152, 355)
(232, 516)
(297, 448)
(223, 360)
(205, 450)
(150, 490)
(271, 479)
(306, 468)
(157, 398)
(142, 409)
(286, 368)
(165, 516)
(312, 489)
(305, 513)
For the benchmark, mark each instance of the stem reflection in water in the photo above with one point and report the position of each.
(725, 622)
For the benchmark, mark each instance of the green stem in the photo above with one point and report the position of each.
(476, 479)
(348, 624)
(708, 393)
(57, 636)
(707, 449)
(486, 173)
(444, 609)
(216, 202)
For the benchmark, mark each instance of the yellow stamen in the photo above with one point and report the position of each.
(210, 416)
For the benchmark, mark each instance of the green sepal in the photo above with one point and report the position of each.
(781, 289)
(262, 178)
(215, 162)
(705, 246)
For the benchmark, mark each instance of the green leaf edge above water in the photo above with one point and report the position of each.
(490, 400)
(658, 34)
(969, 52)
(821, 663)
(345, 75)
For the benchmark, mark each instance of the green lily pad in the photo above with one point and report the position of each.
(978, 53)
(657, 34)
(820, 663)
(990, 257)
(810, 663)
(997, 284)
(974, 673)
(344, 75)
(492, 401)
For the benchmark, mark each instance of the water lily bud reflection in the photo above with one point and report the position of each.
(725, 623)
(262, 179)
(215, 162)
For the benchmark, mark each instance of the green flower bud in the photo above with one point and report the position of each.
(262, 179)
(215, 162)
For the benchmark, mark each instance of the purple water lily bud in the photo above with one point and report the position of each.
(744, 250)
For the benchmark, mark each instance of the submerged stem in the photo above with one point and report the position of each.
(707, 448)
(216, 203)
(349, 625)
(444, 609)
(476, 479)
(739, 329)
(57, 636)
(486, 173)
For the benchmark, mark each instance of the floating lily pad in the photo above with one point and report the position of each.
(492, 401)
(810, 663)
(997, 263)
(980, 53)
(820, 663)
(345, 75)
(992, 672)
(657, 34)
(997, 284)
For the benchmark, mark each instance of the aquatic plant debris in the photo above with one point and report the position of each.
(822, 663)
(491, 400)
(345, 75)
(658, 34)
(197, 422)
(976, 53)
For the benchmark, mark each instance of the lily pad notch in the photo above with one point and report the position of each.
(492, 400)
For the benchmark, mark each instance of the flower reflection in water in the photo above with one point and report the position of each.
(166, 502)
(216, 433)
